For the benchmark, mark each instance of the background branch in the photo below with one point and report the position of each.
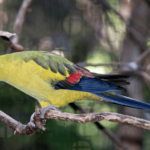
(83, 64)
(19, 22)
(6, 36)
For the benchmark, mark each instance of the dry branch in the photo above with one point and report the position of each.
(15, 125)
(95, 117)
(19, 21)
(6, 36)
(82, 118)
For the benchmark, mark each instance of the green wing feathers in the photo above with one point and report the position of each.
(50, 61)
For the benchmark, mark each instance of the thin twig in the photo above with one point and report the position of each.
(19, 21)
(143, 55)
(82, 64)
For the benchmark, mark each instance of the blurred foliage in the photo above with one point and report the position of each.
(93, 58)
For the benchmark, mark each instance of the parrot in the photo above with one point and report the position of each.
(55, 81)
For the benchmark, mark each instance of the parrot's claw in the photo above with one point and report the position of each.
(43, 110)
(32, 121)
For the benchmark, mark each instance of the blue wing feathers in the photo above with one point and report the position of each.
(95, 85)
(123, 100)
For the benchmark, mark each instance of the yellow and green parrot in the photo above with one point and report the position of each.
(55, 81)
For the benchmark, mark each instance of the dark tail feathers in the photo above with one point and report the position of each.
(123, 100)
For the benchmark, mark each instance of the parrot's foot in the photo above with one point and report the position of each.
(32, 121)
(43, 110)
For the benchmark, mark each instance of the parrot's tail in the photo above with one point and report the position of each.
(123, 100)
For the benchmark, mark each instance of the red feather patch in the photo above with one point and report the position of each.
(74, 78)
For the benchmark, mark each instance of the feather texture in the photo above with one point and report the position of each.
(93, 85)
(123, 100)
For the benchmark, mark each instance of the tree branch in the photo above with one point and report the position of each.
(82, 118)
(15, 125)
(19, 22)
(6, 36)
(95, 117)
(141, 57)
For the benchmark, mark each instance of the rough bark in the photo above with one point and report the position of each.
(28, 129)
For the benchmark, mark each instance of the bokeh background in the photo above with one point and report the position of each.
(113, 33)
